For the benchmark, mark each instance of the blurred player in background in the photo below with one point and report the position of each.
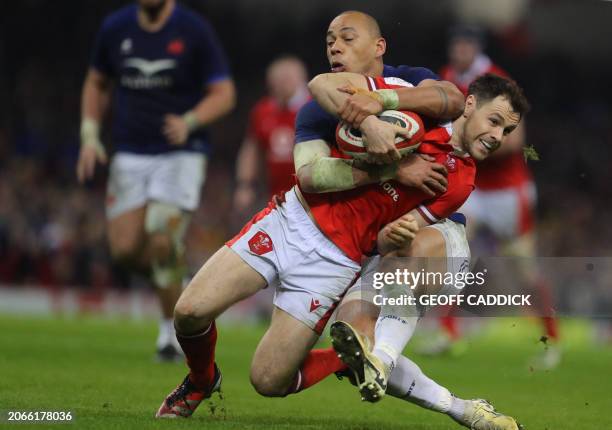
(505, 195)
(270, 134)
(169, 78)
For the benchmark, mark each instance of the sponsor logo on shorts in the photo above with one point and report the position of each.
(260, 243)
(314, 305)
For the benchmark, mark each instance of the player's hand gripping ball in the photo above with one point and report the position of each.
(350, 141)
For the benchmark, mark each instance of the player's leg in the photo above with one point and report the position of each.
(279, 355)
(128, 210)
(173, 193)
(126, 202)
(517, 238)
(522, 248)
(223, 280)
(395, 324)
(244, 266)
(316, 275)
(304, 301)
(358, 310)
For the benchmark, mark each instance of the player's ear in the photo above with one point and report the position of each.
(470, 105)
(381, 47)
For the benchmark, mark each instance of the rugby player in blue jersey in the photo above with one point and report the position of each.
(167, 75)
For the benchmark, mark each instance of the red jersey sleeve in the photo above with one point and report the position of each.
(461, 176)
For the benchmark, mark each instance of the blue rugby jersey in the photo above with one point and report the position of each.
(156, 74)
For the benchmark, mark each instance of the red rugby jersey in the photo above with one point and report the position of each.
(273, 128)
(496, 172)
(352, 219)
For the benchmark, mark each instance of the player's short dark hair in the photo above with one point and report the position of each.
(487, 87)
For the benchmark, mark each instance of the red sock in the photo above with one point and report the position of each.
(319, 364)
(449, 323)
(546, 303)
(200, 353)
(551, 328)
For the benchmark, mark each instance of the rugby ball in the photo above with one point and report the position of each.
(350, 142)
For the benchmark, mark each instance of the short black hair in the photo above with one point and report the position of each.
(487, 87)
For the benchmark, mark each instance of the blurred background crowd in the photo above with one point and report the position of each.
(52, 230)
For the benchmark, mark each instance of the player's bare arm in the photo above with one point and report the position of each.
(246, 174)
(436, 99)
(94, 104)
(317, 172)
(378, 135)
(220, 98)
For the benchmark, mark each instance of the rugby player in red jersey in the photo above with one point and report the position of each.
(270, 133)
(310, 271)
(504, 199)
(492, 111)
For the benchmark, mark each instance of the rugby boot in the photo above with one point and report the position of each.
(183, 401)
(481, 415)
(369, 372)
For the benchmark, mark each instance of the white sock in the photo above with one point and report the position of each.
(395, 324)
(391, 335)
(166, 334)
(408, 382)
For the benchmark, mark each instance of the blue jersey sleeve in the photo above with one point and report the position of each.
(214, 62)
(414, 75)
(312, 122)
(100, 58)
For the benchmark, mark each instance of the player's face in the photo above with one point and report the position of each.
(487, 126)
(462, 53)
(351, 46)
(284, 79)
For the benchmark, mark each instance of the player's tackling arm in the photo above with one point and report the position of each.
(436, 99)
(378, 136)
(246, 174)
(95, 99)
(324, 89)
(317, 172)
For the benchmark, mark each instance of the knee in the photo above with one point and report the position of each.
(125, 251)
(427, 243)
(189, 320)
(160, 247)
(267, 384)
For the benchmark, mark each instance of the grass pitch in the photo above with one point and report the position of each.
(103, 371)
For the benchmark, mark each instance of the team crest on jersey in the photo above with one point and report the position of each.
(260, 243)
(176, 47)
(451, 163)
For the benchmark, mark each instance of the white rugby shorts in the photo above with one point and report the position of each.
(174, 177)
(457, 261)
(310, 273)
(507, 213)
